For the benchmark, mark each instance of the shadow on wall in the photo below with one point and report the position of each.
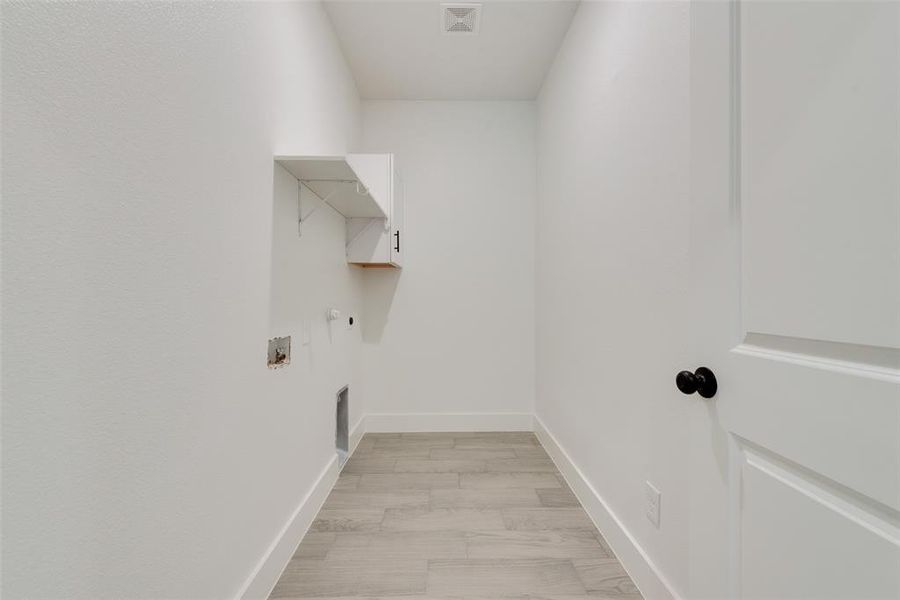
(381, 286)
(286, 255)
(305, 269)
(281, 186)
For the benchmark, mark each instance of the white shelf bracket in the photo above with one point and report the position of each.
(300, 216)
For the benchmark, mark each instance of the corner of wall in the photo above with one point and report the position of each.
(647, 576)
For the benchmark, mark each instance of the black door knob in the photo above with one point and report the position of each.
(702, 381)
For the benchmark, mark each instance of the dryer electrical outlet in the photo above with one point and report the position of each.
(279, 352)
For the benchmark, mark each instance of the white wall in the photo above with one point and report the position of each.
(454, 331)
(612, 262)
(147, 450)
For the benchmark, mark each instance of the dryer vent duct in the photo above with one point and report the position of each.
(460, 19)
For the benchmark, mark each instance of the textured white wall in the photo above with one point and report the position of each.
(147, 450)
(612, 261)
(454, 331)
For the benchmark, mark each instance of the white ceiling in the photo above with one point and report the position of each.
(396, 50)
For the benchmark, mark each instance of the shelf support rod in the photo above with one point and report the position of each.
(300, 216)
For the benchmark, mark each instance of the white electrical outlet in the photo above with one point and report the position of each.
(653, 499)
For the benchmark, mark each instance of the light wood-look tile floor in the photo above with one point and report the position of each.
(475, 516)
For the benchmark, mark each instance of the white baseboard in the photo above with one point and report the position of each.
(269, 569)
(645, 574)
(260, 583)
(402, 422)
(356, 434)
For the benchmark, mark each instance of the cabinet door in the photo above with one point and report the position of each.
(397, 241)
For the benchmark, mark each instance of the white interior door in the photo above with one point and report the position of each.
(796, 271)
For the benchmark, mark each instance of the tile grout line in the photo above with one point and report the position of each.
(432, 482)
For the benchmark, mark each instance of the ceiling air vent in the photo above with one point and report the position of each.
(460, 19)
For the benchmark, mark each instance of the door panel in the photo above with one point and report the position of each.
(797, 255)
(787, 512)
(844, 424)
(820, 110)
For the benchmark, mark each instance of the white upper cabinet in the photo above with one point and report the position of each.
(378, 242)
(374, 170)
